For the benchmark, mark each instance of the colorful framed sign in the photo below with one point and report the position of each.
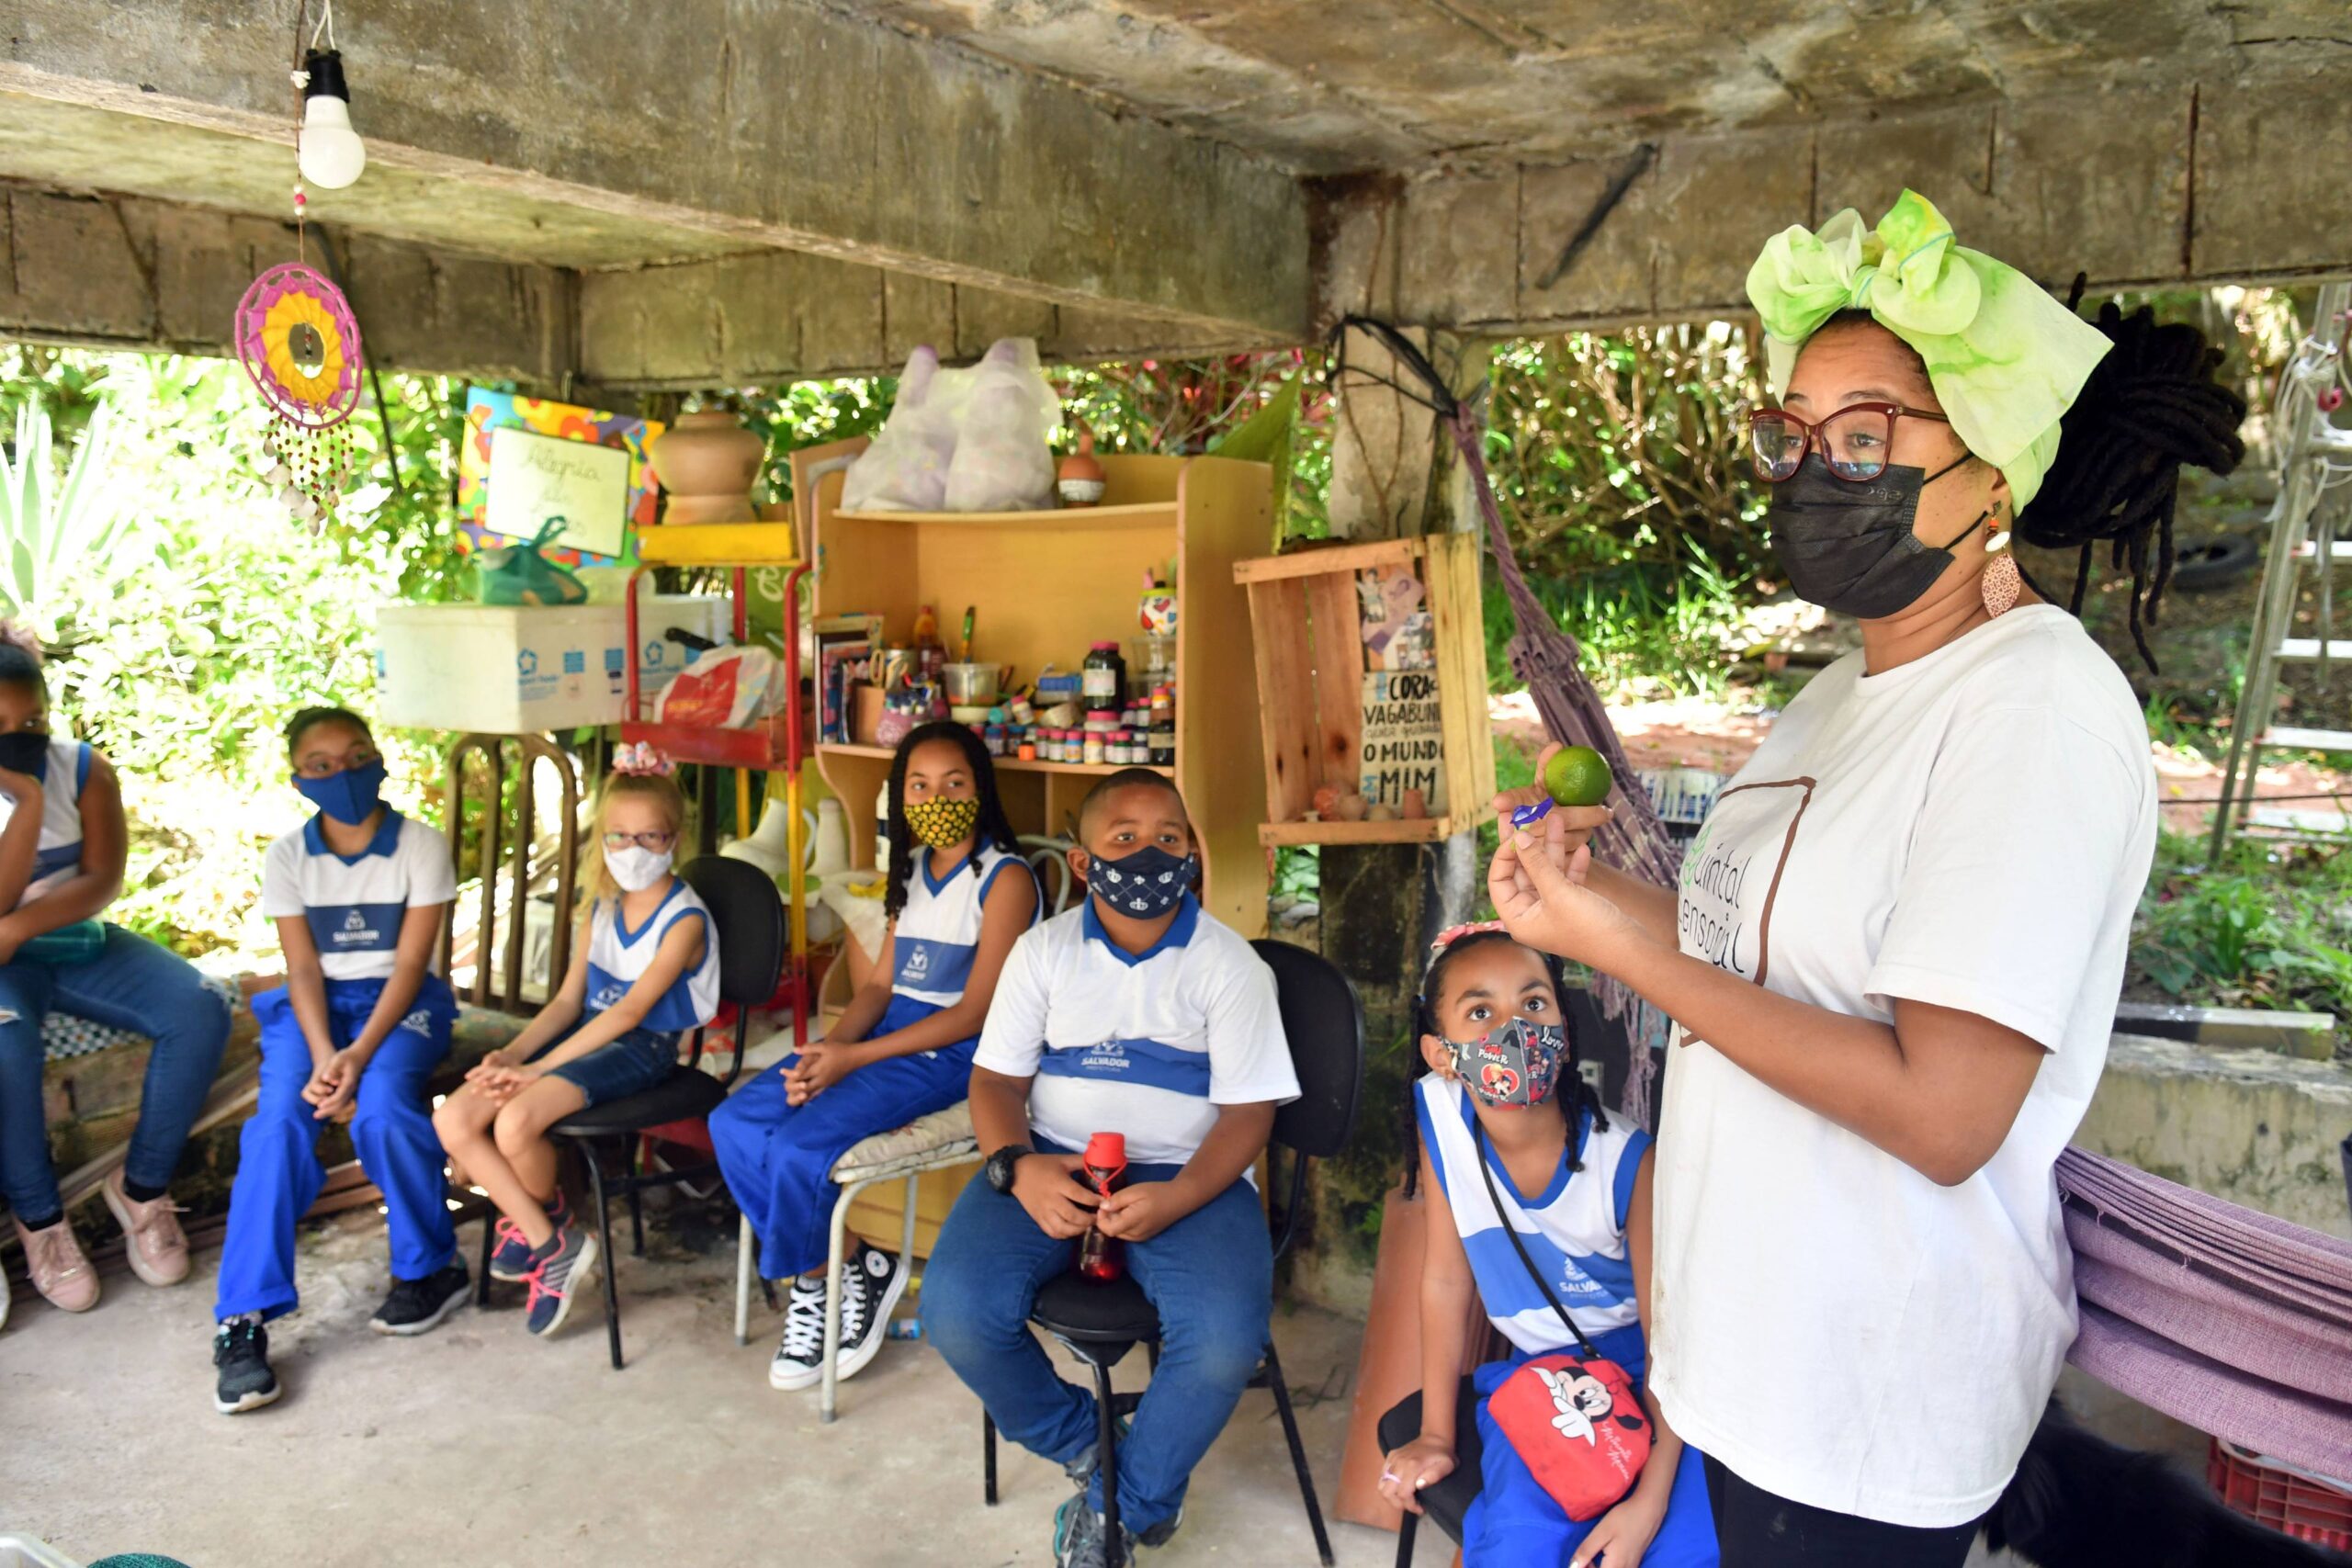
(488, 411)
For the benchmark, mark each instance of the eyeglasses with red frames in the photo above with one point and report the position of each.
(1853, 442)
(656, 842)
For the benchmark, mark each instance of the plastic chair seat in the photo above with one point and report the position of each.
(685, 1094)
(1448, 1501)
(1099, 1312)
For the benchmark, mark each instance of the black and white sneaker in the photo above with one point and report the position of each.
(872, 1282)
(241, 1351)
(801, 1355)
(415, 1306)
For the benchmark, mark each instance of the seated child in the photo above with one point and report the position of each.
(901, 1049)
(1137, 1014)
(644, 970)
(1529, 1117)
(358, 894)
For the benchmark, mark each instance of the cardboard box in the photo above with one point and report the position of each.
(502, 670)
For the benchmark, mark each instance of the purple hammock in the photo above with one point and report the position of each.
(2232, 1322)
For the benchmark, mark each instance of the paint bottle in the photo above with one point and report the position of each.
(1093, 756)
(1103, 676)
(1106, 1163)
(1028, 750)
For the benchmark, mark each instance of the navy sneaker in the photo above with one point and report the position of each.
(240, 1350)
(416, 1305)
(1081, 1540)
(559, 1279)
(513, 1259)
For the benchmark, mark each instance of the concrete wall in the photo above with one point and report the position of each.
(2156, 187)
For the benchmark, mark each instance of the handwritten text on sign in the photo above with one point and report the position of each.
(534, 477)
(1403, 746)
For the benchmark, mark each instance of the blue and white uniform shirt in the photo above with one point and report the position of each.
(938, 930)
(1574, 1230)
(355, 904)
(1145, 1045)
(59, 854)
(617, 956)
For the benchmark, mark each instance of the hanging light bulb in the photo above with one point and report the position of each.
(329, 150)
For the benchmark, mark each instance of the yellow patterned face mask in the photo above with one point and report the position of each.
(942, 824)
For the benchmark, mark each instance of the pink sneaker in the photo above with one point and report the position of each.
(156, 1248)
(53, 1257)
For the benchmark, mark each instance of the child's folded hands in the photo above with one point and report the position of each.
(1141, 1212)
(1048, 1185)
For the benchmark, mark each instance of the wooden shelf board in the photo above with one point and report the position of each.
(1134, 514)
(718, 544)
(1004, 765)
(1404, 831)
(1327, 559)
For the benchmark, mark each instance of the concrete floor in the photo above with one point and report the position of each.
(475, 1445)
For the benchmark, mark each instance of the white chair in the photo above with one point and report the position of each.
(1048, 861)
(937, 1142)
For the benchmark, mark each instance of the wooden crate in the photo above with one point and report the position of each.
(1306, 624)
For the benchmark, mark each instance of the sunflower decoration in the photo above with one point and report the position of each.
(296, 338)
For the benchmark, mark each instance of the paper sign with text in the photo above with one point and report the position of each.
(1403, 746)
(534, 477)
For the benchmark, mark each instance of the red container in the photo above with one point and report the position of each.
(1106, 1162)
(2291, 1501)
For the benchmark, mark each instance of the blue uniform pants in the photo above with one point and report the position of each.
(392, 1127)
(1514, 1523)
(1210, 1276)
(132, 983)
(778, 1158)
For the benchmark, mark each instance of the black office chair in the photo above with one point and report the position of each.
(1101, 1322)
(1449, 1501)
(749, 917)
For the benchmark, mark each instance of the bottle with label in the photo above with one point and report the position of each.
(1103, 676)
(1106, 1163)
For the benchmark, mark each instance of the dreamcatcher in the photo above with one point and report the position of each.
(295, 332)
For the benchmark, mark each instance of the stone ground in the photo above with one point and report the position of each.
(474, 1445)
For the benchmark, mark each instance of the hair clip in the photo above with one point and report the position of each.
(1452, 934)
(639, 760)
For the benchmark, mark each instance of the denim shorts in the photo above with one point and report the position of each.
(632, 1065)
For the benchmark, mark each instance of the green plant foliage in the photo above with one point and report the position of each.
(2262, 928)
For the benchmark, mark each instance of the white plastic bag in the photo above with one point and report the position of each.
(1004, 457)
(724, 688)
(905, 467)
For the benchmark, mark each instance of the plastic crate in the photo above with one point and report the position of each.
(2289, 1500)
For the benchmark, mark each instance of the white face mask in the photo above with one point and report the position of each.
(638, 868)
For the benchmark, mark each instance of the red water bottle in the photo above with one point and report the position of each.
(1106, 1162)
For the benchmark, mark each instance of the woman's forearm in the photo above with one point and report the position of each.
(865, 1011)
(81, 897)
(1651, 907)
(19, 850)
(1445, 1319)
(1656, 1483)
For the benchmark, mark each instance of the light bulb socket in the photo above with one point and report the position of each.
(325, 69)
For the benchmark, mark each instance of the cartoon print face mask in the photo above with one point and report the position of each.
(1517, 1063)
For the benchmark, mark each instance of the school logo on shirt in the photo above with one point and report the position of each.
(918, 963)
(355, 931)
(419, 1022)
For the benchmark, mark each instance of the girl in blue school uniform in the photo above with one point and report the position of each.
(959, 896)
(644, 971)
(358, 894)
(1510, 1135)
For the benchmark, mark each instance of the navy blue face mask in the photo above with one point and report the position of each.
(1145, 885)
(349, 797)
(25, 751)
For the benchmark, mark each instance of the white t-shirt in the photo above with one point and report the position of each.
(57, 856)
(1971, 830)
(938, 933)
(355, 907)
(1148, 1044)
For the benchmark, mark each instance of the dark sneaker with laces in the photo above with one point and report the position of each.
(512, 1259)
(241, 1351)
(801, 1355)
(1163, 1532)
(872, 1282)
(416, 1305)
(558, 1281)
(1081, 1540)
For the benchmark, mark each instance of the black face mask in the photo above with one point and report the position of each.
(26, 752)
(1850, 547)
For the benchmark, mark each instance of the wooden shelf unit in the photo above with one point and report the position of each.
(1045, 585)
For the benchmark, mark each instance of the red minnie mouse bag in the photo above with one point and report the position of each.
(1574, 1420)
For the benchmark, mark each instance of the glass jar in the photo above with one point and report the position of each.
(1103, 676)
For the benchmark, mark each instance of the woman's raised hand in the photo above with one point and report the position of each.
(1564, 829)
(1548, 906)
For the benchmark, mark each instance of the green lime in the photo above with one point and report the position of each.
(1577, 776)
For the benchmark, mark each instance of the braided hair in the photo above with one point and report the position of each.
(992, 828)
(2151, 404)
(1580, 1098)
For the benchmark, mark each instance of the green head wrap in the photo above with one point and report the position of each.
(2004, 358)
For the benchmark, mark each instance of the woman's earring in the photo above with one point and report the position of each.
(1999, 584)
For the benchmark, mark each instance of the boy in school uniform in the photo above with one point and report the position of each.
(357, 894)
(1135, 1013)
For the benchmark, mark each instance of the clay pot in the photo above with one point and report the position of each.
(1080, 480)
(1417, 806)
(707, 463)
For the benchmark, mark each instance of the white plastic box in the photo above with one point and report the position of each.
(516, 670)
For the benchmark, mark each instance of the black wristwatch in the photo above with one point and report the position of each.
(1000, 1164)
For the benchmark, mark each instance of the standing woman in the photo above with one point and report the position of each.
(1895, 954)
(60, 865)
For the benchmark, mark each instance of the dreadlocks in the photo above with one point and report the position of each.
(1425, 1021)
(2150, 405)
(992, 828)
